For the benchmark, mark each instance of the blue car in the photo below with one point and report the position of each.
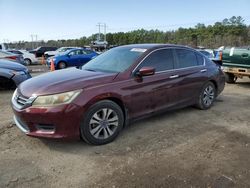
(72, 58)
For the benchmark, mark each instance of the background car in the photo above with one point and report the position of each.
(12, 74)
(10, 56)
(74, 57)
(125, 83)
(59, 50)
(39, 52)
(208, 53)
(28, 57)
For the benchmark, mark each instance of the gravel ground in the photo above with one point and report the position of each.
(183, 148)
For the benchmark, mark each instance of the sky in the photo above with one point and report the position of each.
(65, 19)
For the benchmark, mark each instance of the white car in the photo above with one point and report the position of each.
(28, 58)
(59, 50)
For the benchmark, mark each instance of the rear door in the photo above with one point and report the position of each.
(192, 74)
(85, 57)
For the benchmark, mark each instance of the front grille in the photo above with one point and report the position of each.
(19, 101)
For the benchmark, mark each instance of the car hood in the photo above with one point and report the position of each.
(62, 81)
(11, 65)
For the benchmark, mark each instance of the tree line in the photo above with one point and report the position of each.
(228, 32)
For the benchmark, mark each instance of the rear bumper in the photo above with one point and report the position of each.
(238, 71)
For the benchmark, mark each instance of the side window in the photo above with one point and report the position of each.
(186, 58)
(200, 59)
(76, 52)
(87, 51)
(17, 52)
(72, 53)
(161, 60)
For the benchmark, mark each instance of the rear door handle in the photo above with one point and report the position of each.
(174, 76)
(204, 70)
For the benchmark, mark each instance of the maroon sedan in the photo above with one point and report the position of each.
(125, 83)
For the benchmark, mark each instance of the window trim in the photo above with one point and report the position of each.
(175, 60)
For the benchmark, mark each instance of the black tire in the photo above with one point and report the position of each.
(6, 83)
(230, 78)
(27, 61)
(206, 98)
(90, 131)
(62, 65)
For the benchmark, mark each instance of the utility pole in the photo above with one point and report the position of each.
(105, 31)
(99, 25)
(99, 34)
(32, 41)
(36, 41)
(33, 37)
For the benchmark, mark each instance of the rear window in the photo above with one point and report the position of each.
(186, 58)
(200, 59)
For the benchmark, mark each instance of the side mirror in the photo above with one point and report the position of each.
(146, 71)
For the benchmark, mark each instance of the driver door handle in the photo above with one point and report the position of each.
(174, 76)
(204, 70)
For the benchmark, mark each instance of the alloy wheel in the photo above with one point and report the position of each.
(103, 123)
(208, 95)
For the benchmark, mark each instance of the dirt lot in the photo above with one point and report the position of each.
(183, 148)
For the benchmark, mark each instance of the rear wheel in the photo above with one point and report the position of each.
(62, 65)
(102, 123)
(230, 78)
(27, 61)
(207, 96)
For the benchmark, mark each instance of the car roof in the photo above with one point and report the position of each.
(154, 46)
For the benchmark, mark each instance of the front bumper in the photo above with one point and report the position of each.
(49, 122)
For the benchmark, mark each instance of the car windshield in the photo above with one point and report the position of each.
(62, 49)
(114, 60)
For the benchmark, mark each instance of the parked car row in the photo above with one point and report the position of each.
(28, 58)
(39, 52)
(58, 51)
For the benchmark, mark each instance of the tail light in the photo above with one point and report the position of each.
(220, 56)
(12, 57)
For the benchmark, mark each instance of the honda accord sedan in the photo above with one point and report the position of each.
(96, 101)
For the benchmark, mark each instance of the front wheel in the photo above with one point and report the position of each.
(207, 96)
(62, 65)
(102, 123)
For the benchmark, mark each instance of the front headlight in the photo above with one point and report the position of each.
(18, 72)
(56, 99)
